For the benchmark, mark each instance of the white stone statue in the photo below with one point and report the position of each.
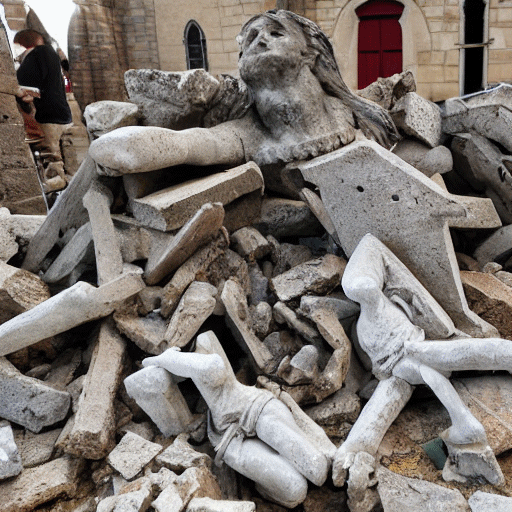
(252, 431)
(298, 107)
(399, 328)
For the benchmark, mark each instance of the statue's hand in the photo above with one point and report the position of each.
(343, 460)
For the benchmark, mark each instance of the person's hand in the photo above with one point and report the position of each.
(27, 94)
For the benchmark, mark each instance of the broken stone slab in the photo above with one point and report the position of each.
(92, 436)
(109, 262)
(10, 460)
(37, 405)
(195, 306)
(485, 502)
(180, 456)
(158, 395)
(104, 116)
(427, 160)
(492, 121)
(403, 209)
(282, 217)
(137, 500)
(36, 449)
(497, 247)
(132, 454)
(20, 291)
(63, 368)
(489, 298)
(250, 243)
(172, 207)
(74, 306)
(239, 322)
(318, 276)
(209, 505)
(402, 494)
(39, 485)
(198, 231)
(197, 264)
(169, 500)
(418, 117)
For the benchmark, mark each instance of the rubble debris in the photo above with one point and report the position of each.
(180, 456)
(10, 460)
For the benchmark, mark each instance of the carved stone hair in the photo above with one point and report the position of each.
(374, 121)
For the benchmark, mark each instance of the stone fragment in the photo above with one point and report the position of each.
(93, 431)
(489, 298)
(261, 315)
(16, 231)
(402, 494)
(198, 231)
(198, 482)
(19, 291)
(286, 256)
(238, 320)
(159, 397)
(386, 91)
(486, 502)
(250, 243)
(37, 405)
(243, 212)
(63, 368)
(418, 117)
(209, 505)
(169, 500)
(137, 500)
(427, 160)
(180, 456)
(74, 306)
(283, 314)
(390, 202)
(197, 264)
(39, 485)
(132, 454)
(282, 217)
(320, 276)
(229, 265)
(10, 460)
(171, 208)
(302, 368)
(195, 306)
(259, 286)
(143, 429)
(104, 116)
(36, 449)
(497, 247)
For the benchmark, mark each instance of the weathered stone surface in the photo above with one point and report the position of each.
(132, 454)
(260, 291)
(321, 276)
(93, 432)
(19, 291)
(104, 116)
(250, 243)
(171, 208)
(386, 91)
(498, 247)
(36, 449)
(137, 500)
(489, 298)
(284, 314)
(244, 211)
(180, 456)
(198, 231)
(427, 160)
(209, 505)
(36, 405)
(486, 502)
(286, 256)
(402, 494)
(418, 117)
(39, 485)
(10, 460)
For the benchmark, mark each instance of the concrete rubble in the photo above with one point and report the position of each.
(124, 267)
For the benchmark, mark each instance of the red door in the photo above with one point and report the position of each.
(380, 41)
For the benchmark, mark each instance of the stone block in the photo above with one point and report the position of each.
(180, 456)
(497, 247)
(104, 116)
(250, 243)
(485, 502)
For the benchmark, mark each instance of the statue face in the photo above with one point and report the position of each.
(271, 47)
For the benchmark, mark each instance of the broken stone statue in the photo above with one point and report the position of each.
(410, 341)
(252, 431)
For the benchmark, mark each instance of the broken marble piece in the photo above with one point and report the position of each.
(281, 217)
(104, 116)
(427, 160)
(171, 208)
(20, 291)
(36, 486)
(197, 264)
(486, 502)
(404, 209)
(209, 505)
(92, 436)
(419, 118)
(497, 247)
(10, 460)
(36, 449)
(132, 454)
(199, 230)
(195, 306)
(318, 276)
(238, 319)
(250, 243)
(69, 308)
(158, 395)
(37, 405)
(402, 494)
(180, 456)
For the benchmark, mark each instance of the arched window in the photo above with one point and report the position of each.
(379, 40)
(195, 46)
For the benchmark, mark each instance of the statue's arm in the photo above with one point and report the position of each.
(134, 149)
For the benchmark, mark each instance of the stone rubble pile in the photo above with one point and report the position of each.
(123, 268)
